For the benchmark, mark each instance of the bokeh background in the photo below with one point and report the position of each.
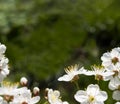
(45, 36)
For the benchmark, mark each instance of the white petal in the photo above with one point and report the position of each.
(89, 73)
(99, 102)
(56, 93)
(92, 89)
(114, 53)
(2, 48)
(65, 78)
(114, 83)
(65, 102)
(81, 96)
(107, 75)
(102, 96)
(35, 99)
(116, 95)
(106, 56)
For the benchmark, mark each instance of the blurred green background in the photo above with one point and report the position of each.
(45, 36)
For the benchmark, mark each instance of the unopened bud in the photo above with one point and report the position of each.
(23, 81)
(36, 91)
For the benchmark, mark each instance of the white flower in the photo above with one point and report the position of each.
(100, 73)
(114, 83)
(25, 98)
(2, 48)
(111, 57)
(3, 68)
(116, 95)
(72, 73)
(92, 95)
(3, 63)
(8, 89)
(115, 69)
(54, 97)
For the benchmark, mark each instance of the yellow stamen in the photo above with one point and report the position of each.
(91, 98)
(71, 68)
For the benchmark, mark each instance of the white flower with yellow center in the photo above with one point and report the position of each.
(100, 73)
(92, 95)
(54, 97)
(72, 73)
(25, 98)
(111, 57)
(115, 69)
(8, 88)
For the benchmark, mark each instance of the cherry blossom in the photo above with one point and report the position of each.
(92, 95)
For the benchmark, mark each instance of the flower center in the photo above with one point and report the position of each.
(99, 77)
(8, 98)
(115, 73)
(91, 98)
(115, 60)
(119, 87)
(24, 102)
(71, 68)
(76, 77)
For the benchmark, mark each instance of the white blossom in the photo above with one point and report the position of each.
(25, 98)
(4, 68)
(114, 83)
(3, 63)
(8, 89)
(115, 69)
(111, 57)
(2, 48)
(92, 95)
(72, 73)
(54, 97)
(100, 73)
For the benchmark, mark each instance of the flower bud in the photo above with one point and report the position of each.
(23, 81)
(36, 91)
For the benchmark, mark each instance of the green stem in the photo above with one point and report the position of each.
(46, 102)
(76, 83)
(98, 82)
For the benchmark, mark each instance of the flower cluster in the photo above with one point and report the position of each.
(14, 93)
(53, 97)
(3, 63)
(108, 70)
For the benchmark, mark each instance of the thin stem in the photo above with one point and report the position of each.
(77, 85)
(46, 102)
(98, 82)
